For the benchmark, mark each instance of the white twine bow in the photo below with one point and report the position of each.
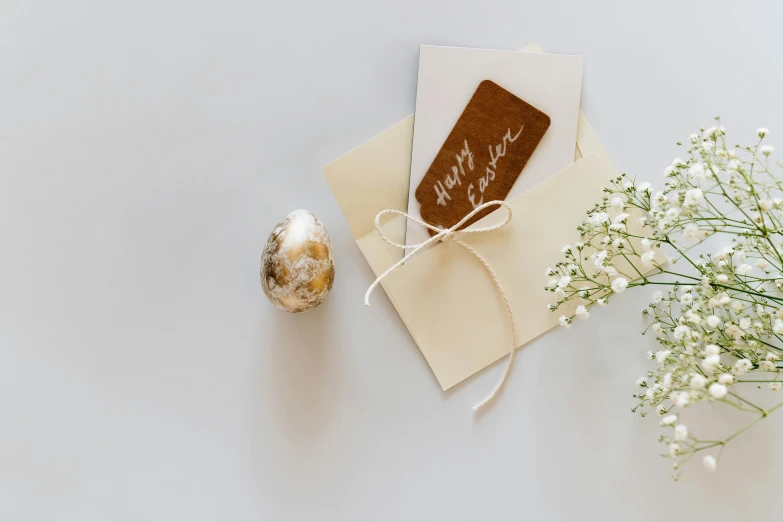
(451, 234)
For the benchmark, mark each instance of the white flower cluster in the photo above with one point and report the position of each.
(720, 324)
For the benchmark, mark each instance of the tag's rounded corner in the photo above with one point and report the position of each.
(486, 83)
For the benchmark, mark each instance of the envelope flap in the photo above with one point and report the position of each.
(451, 306)
(373, 177)
(587, 141)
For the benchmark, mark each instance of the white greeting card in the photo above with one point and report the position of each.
(448, 78)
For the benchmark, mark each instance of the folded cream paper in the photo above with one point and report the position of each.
(446, 300)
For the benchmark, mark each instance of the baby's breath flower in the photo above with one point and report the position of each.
(742, 367)
(698, 381)
(680, 399)
(716, 317)
(669, 420)
(619, 285)
(726, 378)
(710, 362)
(718, 390)
(697, 172)
(693, 197)
(734, 331)
(680, 332)
(680, 432)
(691, 232)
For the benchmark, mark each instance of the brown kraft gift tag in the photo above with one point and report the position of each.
(482, 157)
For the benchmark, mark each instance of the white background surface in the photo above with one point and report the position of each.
(148, 148)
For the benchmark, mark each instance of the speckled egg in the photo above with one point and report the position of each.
(297, 265)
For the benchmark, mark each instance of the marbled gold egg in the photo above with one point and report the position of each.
(297, 266)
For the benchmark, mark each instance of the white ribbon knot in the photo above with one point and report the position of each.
(451, 234)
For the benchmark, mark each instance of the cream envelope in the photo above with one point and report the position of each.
(444, 296)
